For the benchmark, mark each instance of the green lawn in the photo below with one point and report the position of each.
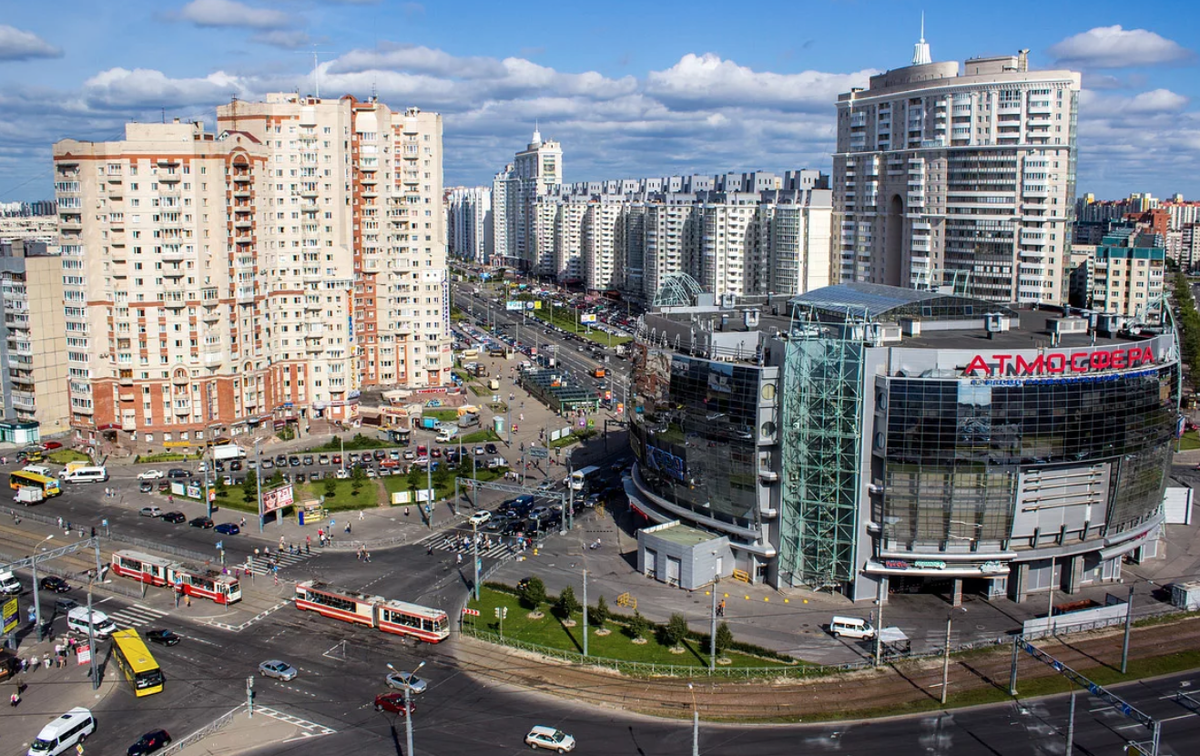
(563, 442)
(1189, 441)
(480, 436)
(550, 632)
(564, 318)
(358, 443)
(480, 390)
(63, 456)
(444, 415)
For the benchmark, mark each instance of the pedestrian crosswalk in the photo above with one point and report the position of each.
(136, 616)
(497, 547)
(262, 565)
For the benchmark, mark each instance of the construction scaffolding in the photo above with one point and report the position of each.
(822, 421)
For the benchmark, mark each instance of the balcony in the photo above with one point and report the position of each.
(173, 272)
(169, 178)
(213, 357)
(308, 192)
(245, 295)
(183, 407)
(127, 396)
(241, 178)
(24, 400)
(241, 192)
(243, 223)
(174, 301)
(125, 378)
(210, 314)
(172, 254)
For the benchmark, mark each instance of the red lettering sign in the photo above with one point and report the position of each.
(1058, 363)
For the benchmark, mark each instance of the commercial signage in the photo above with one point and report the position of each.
(11, 615)
(83, 654)
(895, 564)
(1059, 363)
(591, 318)
(277, 499)
(513, 304)
(929, 564)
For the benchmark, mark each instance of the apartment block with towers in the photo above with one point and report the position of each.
(262, 275)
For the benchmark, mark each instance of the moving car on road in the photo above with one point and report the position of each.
(480, 517)
(174, 517)
(54, 583)
(153, 741)
(399, 680)
(228, 528)
(179, 472)
(393, 702)
(278, 669)
(550, 738)
(201, 522)
(151, 474)
(163, 637)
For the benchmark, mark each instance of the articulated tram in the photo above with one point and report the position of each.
(398, 617)
(189, 581)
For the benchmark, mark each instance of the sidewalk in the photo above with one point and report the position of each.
(47, 695)
(243, 734)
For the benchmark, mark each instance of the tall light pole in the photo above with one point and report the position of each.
(585, 617)
(95, 673)
(37, 606)
(712, 638)
(258, 482)
(946, 661)
(408, 705)
(695, 723)
(475, 555)
(1128, 626)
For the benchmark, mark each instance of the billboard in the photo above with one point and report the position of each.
(513, 304)
(11, 615)
(277, 499)
(589, 318)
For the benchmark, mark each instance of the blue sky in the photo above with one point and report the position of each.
(630, 89)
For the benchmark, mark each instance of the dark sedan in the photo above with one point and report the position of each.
(228, 528)
(201, 522)
(174, 517)
(152, 741)
(54, 583)
(162, 637)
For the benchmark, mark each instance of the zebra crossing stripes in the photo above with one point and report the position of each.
(136, 616)
(451, 545)
(259, 565)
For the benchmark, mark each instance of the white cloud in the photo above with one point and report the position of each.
(142, 88)
(1156, 101)
(16, 44)
(1115, 47)
(702, 81)
(220, 13)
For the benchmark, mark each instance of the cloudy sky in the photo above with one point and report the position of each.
(629, 88)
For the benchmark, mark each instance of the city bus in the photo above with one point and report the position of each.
(396, 617)
(581, 479)
(136, 661)
(23, 479)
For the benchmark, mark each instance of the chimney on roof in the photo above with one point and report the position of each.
(1023, 60)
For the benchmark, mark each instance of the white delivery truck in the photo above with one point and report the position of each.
(29, 495)
(228, 451)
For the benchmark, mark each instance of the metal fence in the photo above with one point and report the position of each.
(381, 543)
(208, 729)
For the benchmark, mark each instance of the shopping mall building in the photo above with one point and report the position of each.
(863, 436)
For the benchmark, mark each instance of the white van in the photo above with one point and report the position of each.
(9, 583)
(851, 627)
(87, 475)
(101, 625)
(38, 470)
(64, 733)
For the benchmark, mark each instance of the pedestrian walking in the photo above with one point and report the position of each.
(366, 556)
(406, 511)
(307, 548)
(458, 558)
(281, 543)
(360, 515)
(46, 660)
(429, 550)
(243, 524)
(14, 699)
(347, 528)
(188, 597)
(721, 608)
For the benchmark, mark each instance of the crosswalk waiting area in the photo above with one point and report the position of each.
(262, 565)
(136, 615)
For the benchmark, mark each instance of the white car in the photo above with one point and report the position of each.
(480, 517)
(342, 474)
(550, 738)
(151, 475)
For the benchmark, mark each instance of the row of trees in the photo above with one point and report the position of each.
(532, 593)
(1189, 322)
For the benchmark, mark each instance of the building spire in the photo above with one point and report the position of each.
(537, 134)
(921, 54)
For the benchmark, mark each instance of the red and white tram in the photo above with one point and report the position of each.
(398, 617)
(158, 571)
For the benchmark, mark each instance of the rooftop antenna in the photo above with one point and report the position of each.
(316, 68)
(921, 54)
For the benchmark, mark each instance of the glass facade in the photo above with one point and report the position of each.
(954, 450)
(695, 437)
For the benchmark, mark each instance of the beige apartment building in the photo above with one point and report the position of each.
(961, 178)
(34, 350)
(218, 284)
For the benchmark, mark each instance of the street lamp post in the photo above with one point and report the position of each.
(695, 723)
(258, 482)
(37, 606)
(95, 673)
(475, 555)
(408, 706)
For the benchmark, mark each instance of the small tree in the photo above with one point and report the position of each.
(598, 614)
(533, 592)
(638, 626)
(276, 480)
(358, 477)
(567, 603)
(218, 487)
(724, 638)
(330, 487)
(415, 478)
(250, 488)
(675, 630)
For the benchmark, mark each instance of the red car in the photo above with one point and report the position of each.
(393, 702)
(49, 445)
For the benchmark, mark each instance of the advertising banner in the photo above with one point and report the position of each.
(11, 615)
(83, 654)
(277, 499)
(589, 318)
(513, 304)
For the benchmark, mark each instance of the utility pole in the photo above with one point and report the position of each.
(475, 555)
(566, 519)
(712, 638)
(1071, 727)
(1050, 607)
(880, 593)
(1128, 627)
(585, 617)
(429, 488)
(258, 481)
(695, 723)
(95, 673)
(207, 500)
(946, 661)
(250, 697)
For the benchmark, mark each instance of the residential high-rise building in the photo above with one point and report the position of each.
(33, 351)
(534, 172)
(958, 178)
(215, 283)
(469, 223)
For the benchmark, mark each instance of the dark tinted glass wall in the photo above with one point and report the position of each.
(955, 448)
(697, 448)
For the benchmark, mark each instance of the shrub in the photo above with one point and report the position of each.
(675, 630)
(533, 593)
(598, 614)
(566, 604)
(638, 626)
(724, 638)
